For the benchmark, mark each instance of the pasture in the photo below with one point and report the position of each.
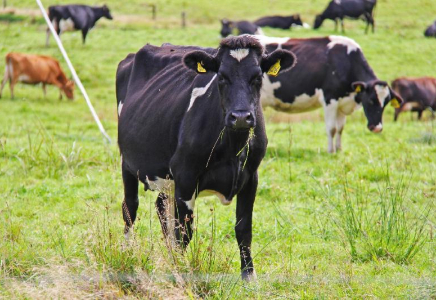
(356, 224)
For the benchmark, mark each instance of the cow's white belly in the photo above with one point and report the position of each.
(24, 78)
(66, 25)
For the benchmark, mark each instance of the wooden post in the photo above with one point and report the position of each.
(183, 19)
(153, 11)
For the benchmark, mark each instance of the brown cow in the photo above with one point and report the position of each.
(34, 69)
(418, 94)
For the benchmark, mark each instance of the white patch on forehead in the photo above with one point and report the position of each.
(239, 54)
(266, 40)
(120, 107)
(382, 93)
(66, 25)
(198, 92)
(344, 41)
(338, 1)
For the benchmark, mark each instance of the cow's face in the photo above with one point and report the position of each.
(318, 22)
(297, 20)
(239, 76)
(106, 12)
(374, 96)
(226, 28)
(69, 89)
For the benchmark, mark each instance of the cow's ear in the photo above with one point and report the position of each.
(277, 62)
(358, 86)
(396, 99)
(201, 62)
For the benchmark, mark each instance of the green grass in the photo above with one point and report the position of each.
(60, 214)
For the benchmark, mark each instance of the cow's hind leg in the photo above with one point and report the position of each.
(130, 203)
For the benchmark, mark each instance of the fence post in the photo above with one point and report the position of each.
(183, 19)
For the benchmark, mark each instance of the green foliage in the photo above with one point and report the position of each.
(61, 228)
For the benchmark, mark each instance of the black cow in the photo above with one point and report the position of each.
(190, 122)
(332, 73)
(279, 21)
(353, 9)
(240, 27)
(431, 30)
(418, 94)
(75, 17)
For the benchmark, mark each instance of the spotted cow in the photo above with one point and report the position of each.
(418, 94)
(190, 123)
(331, 72)
(76, 17)
(229, 27)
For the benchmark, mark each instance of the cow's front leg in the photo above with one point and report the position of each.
(243, 227)
(330, 115)
(340, 123)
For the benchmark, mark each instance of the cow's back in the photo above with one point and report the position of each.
(34, 68)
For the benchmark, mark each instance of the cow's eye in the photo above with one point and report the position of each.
(257, 79)
(222, 79)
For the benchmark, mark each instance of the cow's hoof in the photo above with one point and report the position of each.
(249, 275)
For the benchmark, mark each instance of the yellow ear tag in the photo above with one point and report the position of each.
(395, 103)
(200, 68)
(358, 89)
(275, 68)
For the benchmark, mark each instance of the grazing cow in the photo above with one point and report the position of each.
(240, 27)
(353, 9)
(431, 30)
(418, 94)
(279, 21)
(331, 72)
(76, 17)
(189, 123)
(34, 69)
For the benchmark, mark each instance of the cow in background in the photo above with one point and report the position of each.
(431, 30)
(34, 69)
(418, 94)
(332, 73)
(75, 17)
(353, 9)
(282, 22)
(241, 27)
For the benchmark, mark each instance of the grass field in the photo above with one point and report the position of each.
(357, 224)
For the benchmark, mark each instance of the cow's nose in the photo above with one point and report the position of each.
(240, 120)
(376, 128)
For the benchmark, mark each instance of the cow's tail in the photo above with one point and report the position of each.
(8, 73)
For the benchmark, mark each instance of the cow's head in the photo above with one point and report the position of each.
(239, 64)
(374, 96)
(297, 20)
(226, 27)
(318, 22)
(106, 12)
(69, 89)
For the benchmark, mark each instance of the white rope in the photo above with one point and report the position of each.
(73, 72)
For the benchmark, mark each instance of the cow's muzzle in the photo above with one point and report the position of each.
(240, 120)
(376, 128)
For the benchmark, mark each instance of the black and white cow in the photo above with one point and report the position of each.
(189, 123)
(75, 17)
(238, 28)
(353, 9)
(331, 72)
(431, 30)
(418, 94)
(282, 22)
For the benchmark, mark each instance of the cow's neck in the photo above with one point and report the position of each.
(362, 72)
(98, 13)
